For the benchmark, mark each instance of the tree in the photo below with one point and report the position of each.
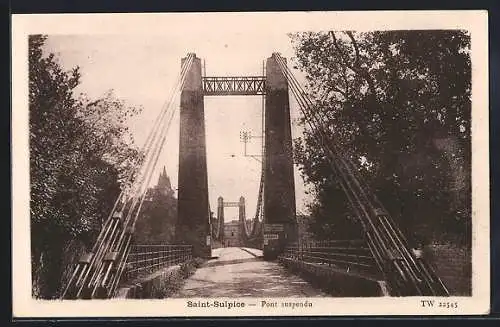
(398, 104)
(78, 160)
(158, 217)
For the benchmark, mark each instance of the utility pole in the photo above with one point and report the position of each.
(246, 137)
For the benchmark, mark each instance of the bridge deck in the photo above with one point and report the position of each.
(239, 273)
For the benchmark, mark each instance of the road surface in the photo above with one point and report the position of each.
(239, 273)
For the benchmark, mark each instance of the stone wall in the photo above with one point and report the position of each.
(335, 282)
(154, 286)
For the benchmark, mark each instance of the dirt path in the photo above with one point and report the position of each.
(240, 273)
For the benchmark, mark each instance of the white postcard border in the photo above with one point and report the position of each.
(136, 24)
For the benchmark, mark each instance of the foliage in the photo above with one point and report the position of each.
(79, 155)
(157, 219)
(173, 281)
(398, 104)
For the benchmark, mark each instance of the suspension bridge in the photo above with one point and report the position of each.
(384, 252)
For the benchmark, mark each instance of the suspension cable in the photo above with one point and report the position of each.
(381, 236)
(320, 129)
(98, 272)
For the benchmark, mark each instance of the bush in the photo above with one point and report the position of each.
(189, 267)
(174, 280)
(197, 262)
(168, 285)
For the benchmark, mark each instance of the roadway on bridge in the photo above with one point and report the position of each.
(241, 272)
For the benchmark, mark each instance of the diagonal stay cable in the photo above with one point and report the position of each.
(132, 217)
(157, 152)
(394, 234)
(109, 228)
(112, 240)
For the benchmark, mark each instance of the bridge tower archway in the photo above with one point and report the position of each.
(193, 226)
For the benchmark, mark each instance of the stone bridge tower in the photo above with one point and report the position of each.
(193, 222)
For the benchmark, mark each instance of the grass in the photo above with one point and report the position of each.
(174, 279)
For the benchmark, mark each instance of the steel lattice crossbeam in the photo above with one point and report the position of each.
(231, 204)
(234, 85)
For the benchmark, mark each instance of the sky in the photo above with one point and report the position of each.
(142, 69)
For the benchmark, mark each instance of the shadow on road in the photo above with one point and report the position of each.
(230, 262)
(249, 277)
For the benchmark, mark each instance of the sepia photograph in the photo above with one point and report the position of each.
(250, 164)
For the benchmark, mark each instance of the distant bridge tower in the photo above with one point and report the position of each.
(220, 218)
(220, 214)
(242, 215)
(193, 223)
(279, 186)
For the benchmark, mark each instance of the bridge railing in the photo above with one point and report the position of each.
(146, 259)
(348, 255)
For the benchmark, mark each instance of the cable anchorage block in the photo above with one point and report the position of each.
(130, 230)
(379, 212)
(117, 215)
(86, 258)
(111, 256)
